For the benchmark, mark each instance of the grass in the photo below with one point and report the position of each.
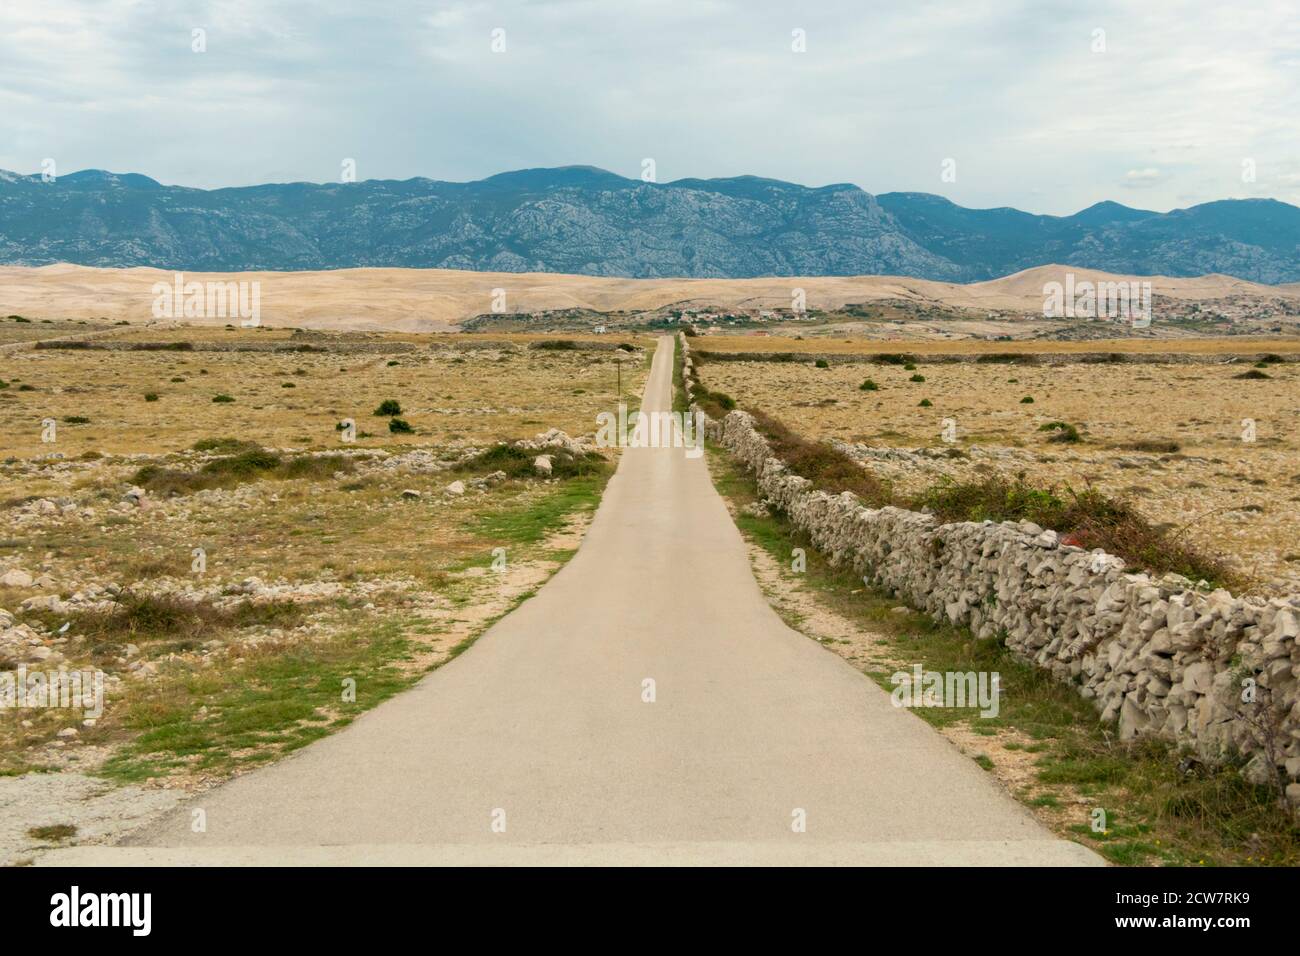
(146, 618)
(53, 833)
(248, 463)
(1062, 433)
(1159, 812)
(1088, 519)
(827, 468)
(542, 516)
(517, 462)
(278, 700)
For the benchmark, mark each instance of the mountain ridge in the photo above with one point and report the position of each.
(585, 220)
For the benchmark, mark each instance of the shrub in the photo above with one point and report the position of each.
(393, 362)
(250, 463)
(714, 404)
(288, 385)
(917, 378)
(869, 386)
(151, 396)
(1253, 374)
(223, 398)
(1027, 400)
(142, 617)
(1062, 432)
(925, 403)
(822, 363)
(826, 467)
(77, 420)
(517, 462)
(891, 358)
(225, 446)
(389, 406)
(1090, 518)
(909, 367)
(400, 426)
(561, 345)
(1155, 445)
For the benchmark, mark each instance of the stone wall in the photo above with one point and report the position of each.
(1156, 656)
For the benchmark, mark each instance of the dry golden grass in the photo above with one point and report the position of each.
(296, 399)
(830, 346)
(1236, 497)
(386, 582)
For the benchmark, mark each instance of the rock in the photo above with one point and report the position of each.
(45, 582)
(134, 495)
(68, 732)
(542, 465)
(456, 488)
(49, 602)
(410, 494)
(1132, 719)
(1196, 677)
(16, 578)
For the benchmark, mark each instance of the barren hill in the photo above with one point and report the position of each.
(438, 299)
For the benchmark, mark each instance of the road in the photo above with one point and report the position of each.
(536, 745)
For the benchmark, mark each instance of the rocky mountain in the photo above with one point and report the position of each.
(583, 220)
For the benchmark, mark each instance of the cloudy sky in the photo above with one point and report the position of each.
(1046, 105)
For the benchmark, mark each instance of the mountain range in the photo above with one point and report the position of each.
(588, 221)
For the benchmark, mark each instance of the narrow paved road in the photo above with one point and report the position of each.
(542, 724)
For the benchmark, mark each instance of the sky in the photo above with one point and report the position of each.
(1046, 106)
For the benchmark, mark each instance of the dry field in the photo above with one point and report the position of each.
(324, 562)
(1167, 436)
(439, 299)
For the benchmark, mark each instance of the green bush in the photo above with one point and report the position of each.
(220, 399)
(400, 426)
(869, 386)
(389, 406)
(1062, 432)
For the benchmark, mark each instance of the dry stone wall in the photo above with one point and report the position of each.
(1156, 656)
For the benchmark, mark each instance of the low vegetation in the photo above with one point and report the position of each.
(248, 463)
(1087, 518)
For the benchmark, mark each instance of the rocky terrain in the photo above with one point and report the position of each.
(587, 221)
(246, 579)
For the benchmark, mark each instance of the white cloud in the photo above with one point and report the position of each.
(1009, 88)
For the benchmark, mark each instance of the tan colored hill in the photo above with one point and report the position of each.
(438, 299)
